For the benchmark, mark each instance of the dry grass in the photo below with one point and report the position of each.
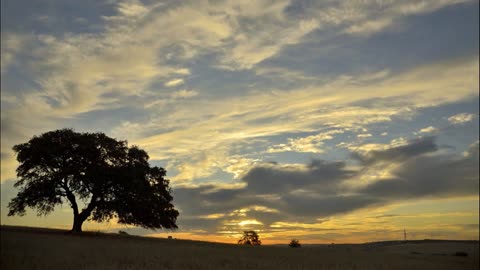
(23, 248)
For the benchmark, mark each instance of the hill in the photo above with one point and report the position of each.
(38, 248)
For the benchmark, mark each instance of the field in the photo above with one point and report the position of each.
(35, 248)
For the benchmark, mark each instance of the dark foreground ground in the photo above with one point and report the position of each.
(35, 248)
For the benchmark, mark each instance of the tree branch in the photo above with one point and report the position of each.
(91, 205)
(71, 197)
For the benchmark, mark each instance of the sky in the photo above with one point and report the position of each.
(325, 121)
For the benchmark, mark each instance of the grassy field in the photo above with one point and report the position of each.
(34, 248)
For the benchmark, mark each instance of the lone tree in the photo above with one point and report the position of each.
(295, 243)
(250, 238)
(110, 178)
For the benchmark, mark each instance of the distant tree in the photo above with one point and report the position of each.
(250, 238)
(110, 178)
(295, 243)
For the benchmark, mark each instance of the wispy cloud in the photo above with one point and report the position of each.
(305, 144)
(364, 135)
(174, 82)
(12, 45)
(184, 94)
(132, 9)
(298, 113)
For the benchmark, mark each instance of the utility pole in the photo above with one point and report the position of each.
(404, 235)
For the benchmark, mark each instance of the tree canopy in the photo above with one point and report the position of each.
(112, 179)
(295, 243)
(250, 238)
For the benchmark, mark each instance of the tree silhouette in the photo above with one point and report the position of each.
(250, 238)
(110, 178)
(295, 243)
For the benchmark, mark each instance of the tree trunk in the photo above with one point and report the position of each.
(79, 218)
(77, 223)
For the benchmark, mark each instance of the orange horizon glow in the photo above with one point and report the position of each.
(269, 240)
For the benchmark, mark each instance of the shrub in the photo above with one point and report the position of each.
(295, 243)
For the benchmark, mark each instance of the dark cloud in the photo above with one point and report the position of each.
(271, 178)
(325, 206)
(267, 218)
(209, 199)
(275, 188)
(438, 175)
(318, 189)
(413, 148)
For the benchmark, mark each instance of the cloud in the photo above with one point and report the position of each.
(249, 222)
(12, 45)
(364, 135)
(251, 203)
(174, 82)
(365, 148)
(132, 9)
(431, 176)
(184, 94)
(400, 153)
(361, 17)
(182, 71)
(369, 27)
(287, 74)
(324, 206)
(272, 178)
(387, 13)
(318, 189)
(201, 164)
(461, 118)
(307, 144)
(238, 166)
(238, 120)
(252, 47)
(193, 201)
(429, 129)
(101, 70)
(298, 110)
